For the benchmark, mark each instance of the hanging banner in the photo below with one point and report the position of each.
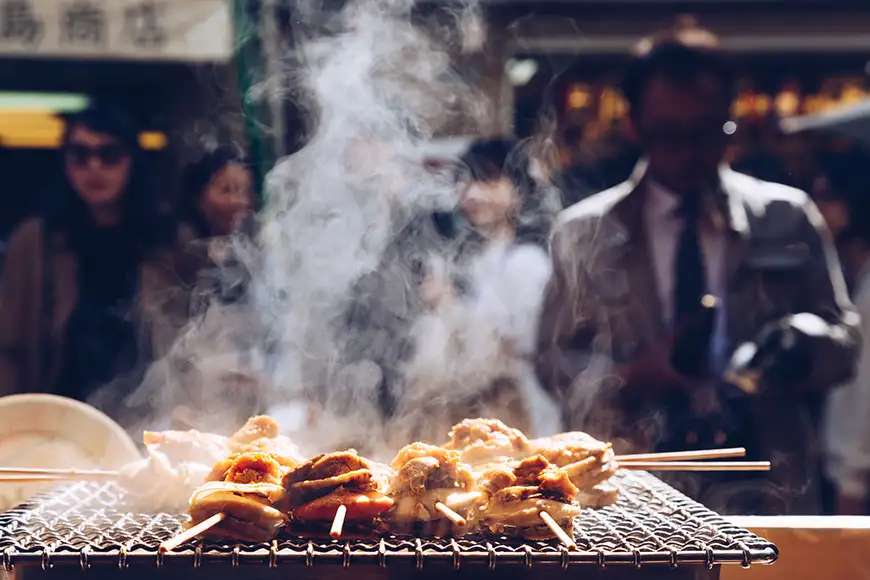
(172, 30)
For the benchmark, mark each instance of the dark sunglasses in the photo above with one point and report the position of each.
(107, 154)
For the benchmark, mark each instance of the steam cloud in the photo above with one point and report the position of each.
(333, 328)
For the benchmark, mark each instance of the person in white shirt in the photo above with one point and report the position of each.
(473, 350)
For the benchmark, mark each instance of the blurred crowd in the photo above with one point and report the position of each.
(620, 337)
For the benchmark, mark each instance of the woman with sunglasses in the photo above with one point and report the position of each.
(83, 281)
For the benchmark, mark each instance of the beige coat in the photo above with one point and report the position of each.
(601, 308)
(27, 364)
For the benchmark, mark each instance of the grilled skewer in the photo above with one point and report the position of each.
(523, 498)
(430, 485)
(336, 491)
(249, 511)
(69, 473)
(38, 478)
(699, 465)
(683, 455)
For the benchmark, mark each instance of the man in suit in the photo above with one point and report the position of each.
(632, 263)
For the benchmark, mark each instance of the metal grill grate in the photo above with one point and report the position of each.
(87, 525)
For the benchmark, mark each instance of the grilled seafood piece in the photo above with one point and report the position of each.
(598, 496)
(589, 476)
(486, 441)
(252, 467)
(570, 447)
(257, 427)
(262, 433)
(590, 463)
(316, 488)
(518, 493)
(250, 509)
(426, 475)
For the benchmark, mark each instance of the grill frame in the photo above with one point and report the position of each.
(652, 525)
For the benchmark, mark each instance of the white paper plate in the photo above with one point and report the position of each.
(39, 430)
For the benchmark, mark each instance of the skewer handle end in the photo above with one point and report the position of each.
(451, 515)
(558, 531)
(338, 522)
(191, 533)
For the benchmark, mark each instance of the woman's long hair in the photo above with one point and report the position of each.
(146, 215)
(198, 175)
(489, 160)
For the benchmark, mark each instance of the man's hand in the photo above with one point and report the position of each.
(784, 353)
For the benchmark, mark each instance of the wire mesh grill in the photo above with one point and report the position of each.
(87, 525)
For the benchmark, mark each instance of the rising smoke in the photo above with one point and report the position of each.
(335, 338)
(342, 230)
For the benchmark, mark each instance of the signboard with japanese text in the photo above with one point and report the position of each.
(170, 30)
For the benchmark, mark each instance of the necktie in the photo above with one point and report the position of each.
(691, 279)
(683, 431)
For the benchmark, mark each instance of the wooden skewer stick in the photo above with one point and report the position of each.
(450, 514)
(338, 522)
(41, 478)
(684, 455)
(83, 473)
(193, 532)
(557, 529)
(698, 465)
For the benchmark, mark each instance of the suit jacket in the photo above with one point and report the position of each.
(601, 309)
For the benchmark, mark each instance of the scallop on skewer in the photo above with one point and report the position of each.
(243, 500)
(520, 493)
(332, 487)
(589, 463)
(434, 492)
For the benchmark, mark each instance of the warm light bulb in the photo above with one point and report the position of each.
(787, 103)
(578, 98)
